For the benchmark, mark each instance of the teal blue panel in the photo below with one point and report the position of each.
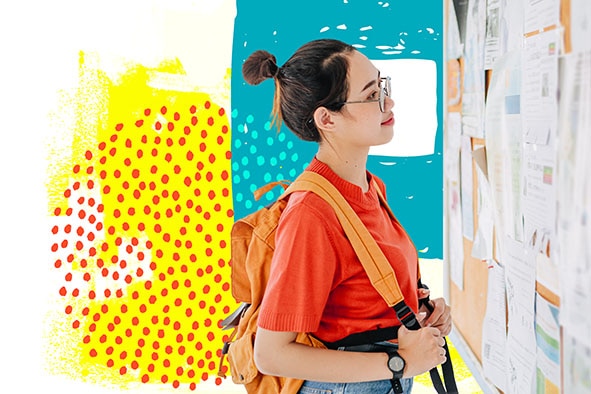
(260, 153)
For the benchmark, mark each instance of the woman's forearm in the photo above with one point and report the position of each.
(300, 361)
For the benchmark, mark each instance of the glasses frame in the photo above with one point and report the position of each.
(385, 90)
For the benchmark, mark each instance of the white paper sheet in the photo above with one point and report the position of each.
(548, 343)
(455, 240)
(539, 93)
(580, 25)
(574, 226)
(540, 120)
(473, 93)
(494, 329)
(492, 46)
(521, 343)
(482, 248)
(512, 25)
(453, 41)
(539, 209)
(467, 186)
(576, 365)
(540, 14)
(504, 146)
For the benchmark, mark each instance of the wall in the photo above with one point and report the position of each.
(517, 191)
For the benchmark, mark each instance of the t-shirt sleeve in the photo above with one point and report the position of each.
(303, 267)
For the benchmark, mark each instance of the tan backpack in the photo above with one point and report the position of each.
(252, 247)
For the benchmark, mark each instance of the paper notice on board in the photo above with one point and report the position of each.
(474, 85)
(466, 188)
(539, 91)
(574, 195)
(482, 248)
(580, 25)
(521, 342)
(540, 123)
(540, 14)
(492, 46)
(539, 209)
(548, 343)
(494, 329)
(576, 365)
(454, 213)
(512, 25)
(504, 146)
(453, 41)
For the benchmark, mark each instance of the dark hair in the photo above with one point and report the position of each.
(314, 76)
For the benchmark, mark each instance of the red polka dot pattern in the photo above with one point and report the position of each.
(142, 241)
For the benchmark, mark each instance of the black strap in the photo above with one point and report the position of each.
(447, 367)
(365, 338)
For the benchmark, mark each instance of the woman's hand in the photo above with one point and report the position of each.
(440, 317)
(421, 349)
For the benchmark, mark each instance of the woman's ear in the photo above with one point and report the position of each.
(324, 119)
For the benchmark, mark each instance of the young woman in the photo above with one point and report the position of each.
(330, 93)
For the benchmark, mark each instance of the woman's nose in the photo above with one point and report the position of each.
(389, 103)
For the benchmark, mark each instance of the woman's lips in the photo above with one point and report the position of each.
(389, 122)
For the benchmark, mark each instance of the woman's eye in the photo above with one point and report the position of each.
(373, 95)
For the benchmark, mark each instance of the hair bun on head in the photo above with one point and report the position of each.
(259, 66)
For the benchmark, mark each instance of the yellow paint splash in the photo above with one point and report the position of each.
(142, 217)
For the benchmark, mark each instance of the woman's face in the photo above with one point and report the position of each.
(363, 123)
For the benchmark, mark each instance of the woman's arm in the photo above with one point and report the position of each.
(277, 353)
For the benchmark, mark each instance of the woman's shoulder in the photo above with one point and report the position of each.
(307, 204)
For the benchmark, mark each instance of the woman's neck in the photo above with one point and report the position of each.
(351, 167)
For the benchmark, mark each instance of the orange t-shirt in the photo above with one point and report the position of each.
(317, 284)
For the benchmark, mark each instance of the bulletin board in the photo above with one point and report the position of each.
(532, 296)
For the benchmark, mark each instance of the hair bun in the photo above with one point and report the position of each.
(259, 66)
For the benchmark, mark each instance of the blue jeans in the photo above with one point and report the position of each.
(373, 387)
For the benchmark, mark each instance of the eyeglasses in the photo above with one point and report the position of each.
(385, 90)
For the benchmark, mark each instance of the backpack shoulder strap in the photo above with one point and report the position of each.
(372, 258)
(391, 213)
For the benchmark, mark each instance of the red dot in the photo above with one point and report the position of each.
(88, 155)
